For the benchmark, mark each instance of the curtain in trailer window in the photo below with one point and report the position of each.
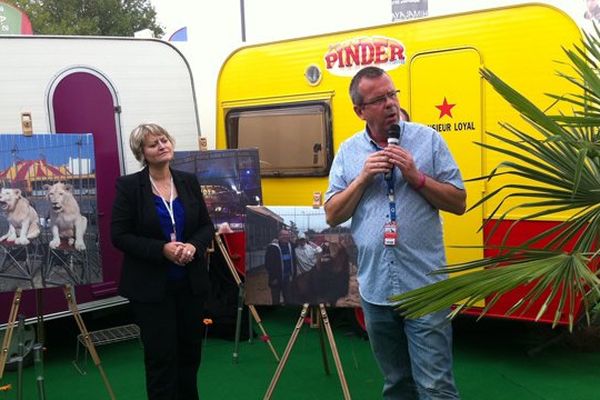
(292, 140)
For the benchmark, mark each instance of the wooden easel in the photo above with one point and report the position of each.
(336, 357)
(241, 295)
(12, 317)
(68, 291)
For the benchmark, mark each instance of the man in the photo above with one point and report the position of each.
(305, 284)
(280, 262)
(393, 194)
(306, 254)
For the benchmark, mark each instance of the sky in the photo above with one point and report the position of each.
(304, 218)
(270, 19)
(55, 149)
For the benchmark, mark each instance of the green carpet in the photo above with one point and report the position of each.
(492, 362)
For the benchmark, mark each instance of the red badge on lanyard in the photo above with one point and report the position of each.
(390, 233)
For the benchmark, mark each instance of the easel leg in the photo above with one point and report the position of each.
(251, 330)
(239, 283)
(39, 310)
(238, 321)
(322, 342)
(38, 360)
(19, 358)
(12, 317)
(287, 352)
(86, 336)
(334, 351)
(265, 337)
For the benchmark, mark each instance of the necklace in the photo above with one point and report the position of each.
(163, 189)
(162, 186)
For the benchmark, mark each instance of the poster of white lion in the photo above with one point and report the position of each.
(48, 221)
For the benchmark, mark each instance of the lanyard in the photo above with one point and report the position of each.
(168, 206)
(391, 194)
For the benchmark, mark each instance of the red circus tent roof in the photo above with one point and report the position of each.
(31, 169)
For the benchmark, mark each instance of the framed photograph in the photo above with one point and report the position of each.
(230, 181)
(48, 217)
(293, 257)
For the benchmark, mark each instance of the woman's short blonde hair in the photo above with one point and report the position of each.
(141, 132)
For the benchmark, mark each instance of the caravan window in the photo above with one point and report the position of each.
(292, 140)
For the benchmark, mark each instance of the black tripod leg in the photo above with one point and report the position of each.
(322, 341)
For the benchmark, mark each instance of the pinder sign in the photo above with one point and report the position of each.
(346, 58)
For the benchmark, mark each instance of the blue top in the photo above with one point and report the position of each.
(175, 272)
(286, 258)
(384, 271)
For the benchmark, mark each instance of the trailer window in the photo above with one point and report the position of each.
(292, 140)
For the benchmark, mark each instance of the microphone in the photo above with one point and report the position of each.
(393, 134)
(393, 137)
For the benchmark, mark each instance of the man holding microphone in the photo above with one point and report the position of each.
(392, 179)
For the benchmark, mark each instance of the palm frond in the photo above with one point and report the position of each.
(550, 274)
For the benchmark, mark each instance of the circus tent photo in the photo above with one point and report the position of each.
(28, 166)
(24, 173)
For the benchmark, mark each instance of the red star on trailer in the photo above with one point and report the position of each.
(445, 108)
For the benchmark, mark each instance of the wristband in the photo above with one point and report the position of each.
(422, 180)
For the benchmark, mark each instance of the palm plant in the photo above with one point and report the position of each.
(558, 166)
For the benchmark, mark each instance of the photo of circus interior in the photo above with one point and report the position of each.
(293, 257)
(230, 181)
(48, 218)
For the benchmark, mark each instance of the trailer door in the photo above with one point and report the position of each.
(446, 93)
(84, 102)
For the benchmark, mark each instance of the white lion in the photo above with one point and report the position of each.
(66, 220)
(23, 220)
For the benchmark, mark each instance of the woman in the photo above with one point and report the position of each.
(161, 224)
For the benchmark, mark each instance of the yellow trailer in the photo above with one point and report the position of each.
(290, 100)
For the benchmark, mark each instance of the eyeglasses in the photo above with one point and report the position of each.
(377, 101)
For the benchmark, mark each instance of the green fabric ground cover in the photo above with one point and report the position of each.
(491, 363)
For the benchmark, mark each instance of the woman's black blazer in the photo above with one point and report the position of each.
(136, 231)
